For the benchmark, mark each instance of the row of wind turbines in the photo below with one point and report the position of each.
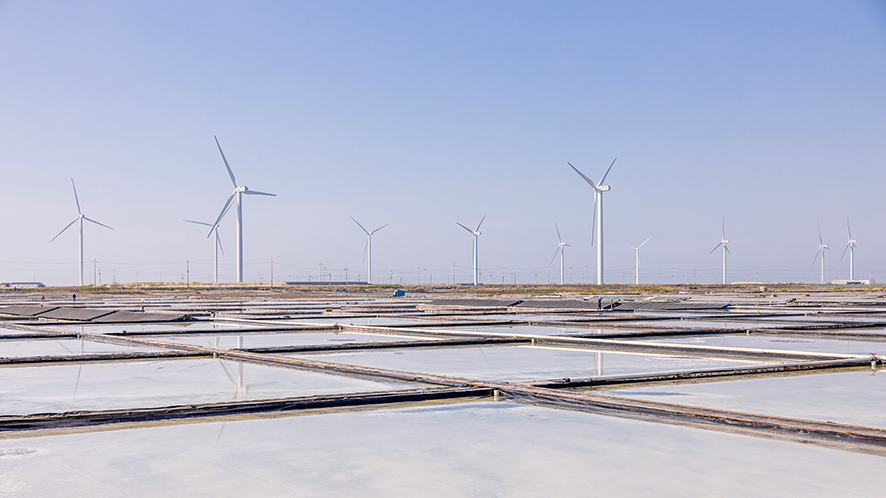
(236, 198)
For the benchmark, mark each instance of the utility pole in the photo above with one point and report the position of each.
(188, 272)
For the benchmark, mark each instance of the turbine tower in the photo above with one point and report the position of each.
(723, 243)
(80, 217)
(637, 261)
(560, 248)
(822, 247)
(475, 233)
(239, 190)
(368, 249)
(599, 188)
(850, 246)
(218, 245)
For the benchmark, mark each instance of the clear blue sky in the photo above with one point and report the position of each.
(421, 114)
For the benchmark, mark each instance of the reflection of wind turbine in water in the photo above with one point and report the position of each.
(238, 384)
(80, 367)
(598, 363)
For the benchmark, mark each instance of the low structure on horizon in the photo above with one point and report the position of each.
(22, 285)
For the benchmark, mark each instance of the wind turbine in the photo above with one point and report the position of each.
(723, 243)
(560, 248)
(822, 247)
(80, 217)
(637, 259)
(475, 233)
(218, 245)
(239, 190)
(850, 246)
(599, 188)
(368, 249)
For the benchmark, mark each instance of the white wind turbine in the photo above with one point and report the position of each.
(368, 249)
(475, 234)
(239, 190)
(560, 248)
(850, 246)
(723, 243)
(822, 247)
(80, 217)
(218, 245)
(637, 261)
(599, 188)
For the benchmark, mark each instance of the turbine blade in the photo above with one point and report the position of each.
(466, 228)
(65, 228)
(361, 226)
(379, 228)
(558, 232)
(727, 250)
(815, 258)
(820, 243)
(97, 223)
(197, 222)
(607, 173)
(76, 199)
(559, 248)
(481, 222)
(846, 249)
(365, 248)
(594, 217)
(224, 211)
(256, 192)
(218, 241)
(848, 229)
(645, 241)
(590, 182)
(230, 173)
(724, 228)
(715, 248)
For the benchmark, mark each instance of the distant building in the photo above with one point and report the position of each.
(22, 285)
(852, 282)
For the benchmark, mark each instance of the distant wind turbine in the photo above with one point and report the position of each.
(239, 190)
(560, 248)
(822, 247)
(218, 245)
(850, 246)
(367, 251)
(637, 261)
(80, 217)
(475, 233)
(723, 243)
(599, 188)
